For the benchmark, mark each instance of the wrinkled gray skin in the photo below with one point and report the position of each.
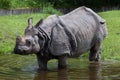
(60, 37)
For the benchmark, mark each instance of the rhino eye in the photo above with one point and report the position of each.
(28, 42)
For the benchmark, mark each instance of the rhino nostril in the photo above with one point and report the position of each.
(24, 51)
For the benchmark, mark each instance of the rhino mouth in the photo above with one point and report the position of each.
(22, 50)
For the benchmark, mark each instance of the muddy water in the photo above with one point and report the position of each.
(15, 67)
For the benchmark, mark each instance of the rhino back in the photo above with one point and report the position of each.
(83, 25)
(78, 29)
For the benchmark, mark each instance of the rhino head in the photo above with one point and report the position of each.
(30, 42)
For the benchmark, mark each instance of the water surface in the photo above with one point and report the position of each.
(16, 67)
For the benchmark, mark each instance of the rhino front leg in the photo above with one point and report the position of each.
(42, 62)
(95, 53)
(62, 61)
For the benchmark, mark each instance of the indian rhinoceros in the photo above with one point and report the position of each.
(60, 37)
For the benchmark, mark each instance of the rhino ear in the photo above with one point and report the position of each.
(39, 23)
(30, 21)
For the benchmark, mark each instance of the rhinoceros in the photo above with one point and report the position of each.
(60, 37)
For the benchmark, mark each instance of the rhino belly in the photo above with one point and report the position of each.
(84, 42)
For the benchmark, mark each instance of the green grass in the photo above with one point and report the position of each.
(13, 25)
(111, 45)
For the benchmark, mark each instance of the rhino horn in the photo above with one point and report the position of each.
(18, 39)
(30, 21)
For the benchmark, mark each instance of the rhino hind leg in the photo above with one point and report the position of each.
(62, 62)
(95, 53)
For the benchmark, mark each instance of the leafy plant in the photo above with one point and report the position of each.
(49, 9)
(5, 4)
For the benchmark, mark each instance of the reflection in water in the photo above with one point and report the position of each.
(41, 76)
(46, 75)
(95, 71)
(62, 74)
(15, 67)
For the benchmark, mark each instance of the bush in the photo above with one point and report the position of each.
(88, 3)
(48, 9)
(5, 4)
(8, 4)
(19, 3)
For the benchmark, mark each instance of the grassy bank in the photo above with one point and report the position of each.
(111, 45)
(11, 26)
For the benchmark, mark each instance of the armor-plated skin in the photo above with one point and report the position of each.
(64, 36)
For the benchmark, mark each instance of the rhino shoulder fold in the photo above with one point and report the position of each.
(59, 41)
(49, 23)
